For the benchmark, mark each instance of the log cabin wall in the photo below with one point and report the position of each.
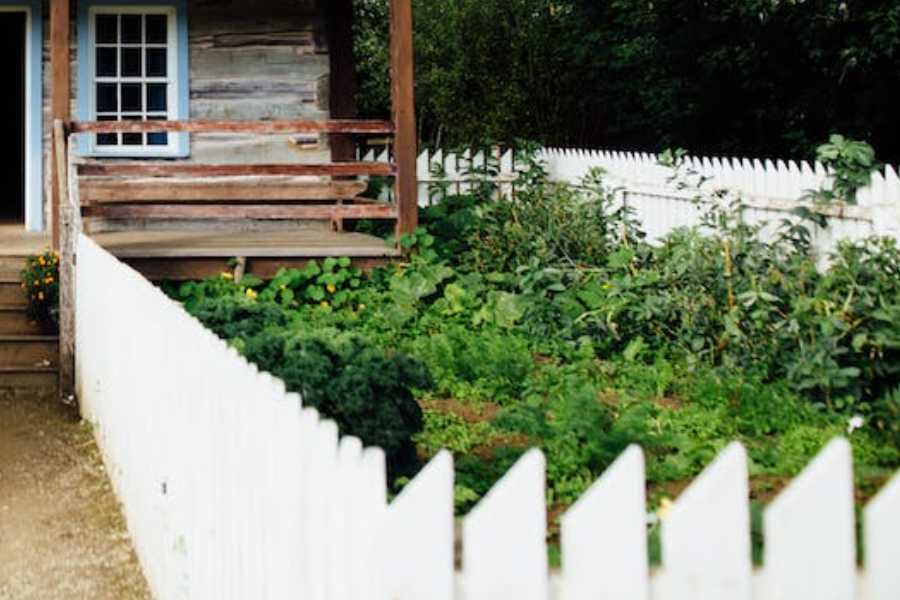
(253, 59)
(249, 59)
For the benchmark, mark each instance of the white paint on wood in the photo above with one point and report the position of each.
(504, 546)
(881, 528)
(810, 549)
(604, 536)
(706, 534)
(417, 540)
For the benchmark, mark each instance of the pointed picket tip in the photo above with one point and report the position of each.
(810, 536)
(504, 537)
(881, 522)
(604, 536)
(416, 544)
(706, 543)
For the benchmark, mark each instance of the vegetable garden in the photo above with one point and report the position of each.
(546, 320)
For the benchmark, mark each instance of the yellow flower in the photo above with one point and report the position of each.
(40, 295)
(49, 280)
(665, 507)
(251, 294)
(362, 307)
(36, 283)
(228, 276)
(331, 288)
(324, 304)
(41, 261)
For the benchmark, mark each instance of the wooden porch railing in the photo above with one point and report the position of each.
(182, 190)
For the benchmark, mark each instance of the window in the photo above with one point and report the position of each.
(133, 75)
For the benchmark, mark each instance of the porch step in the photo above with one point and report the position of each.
(11, 293)
(11, 267)
(14, 321)
(24, 351)
(42, 380)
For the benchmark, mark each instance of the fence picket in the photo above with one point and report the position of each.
(810, 549)
(416, 541)
(504, 547)
(881, 527)
(604, 536)
(706, 535)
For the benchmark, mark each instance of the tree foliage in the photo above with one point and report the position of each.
(748, 77)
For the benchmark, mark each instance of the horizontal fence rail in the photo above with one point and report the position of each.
(232, 489)
(771, 190)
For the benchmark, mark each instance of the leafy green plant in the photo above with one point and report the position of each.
(850, 164)
(40, 285)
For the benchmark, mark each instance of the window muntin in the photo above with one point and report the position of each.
(134, 63)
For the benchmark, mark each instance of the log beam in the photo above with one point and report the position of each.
(237, 127)
(60, 92)
(170, 169)
(404, 114)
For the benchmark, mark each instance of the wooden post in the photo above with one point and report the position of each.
(60, 91)
(68, 239)
(404, 114)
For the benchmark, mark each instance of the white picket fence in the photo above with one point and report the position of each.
(232, 489)
(770, 189)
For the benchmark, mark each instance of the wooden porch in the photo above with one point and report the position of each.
(144, 198)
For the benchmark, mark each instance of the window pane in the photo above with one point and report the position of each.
(156, 62)
(131, 29)
(107, 98)
(131, 62)
(157, 139)
(156, 29)
(107, 29)
(107, 139)
(107, 62)
(156, 97)
(131, 97)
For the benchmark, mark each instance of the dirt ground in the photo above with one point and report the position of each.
(62, 535)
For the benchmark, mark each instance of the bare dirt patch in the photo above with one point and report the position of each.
(62, 535)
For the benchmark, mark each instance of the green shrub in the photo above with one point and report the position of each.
(367, 391)
(238, 317)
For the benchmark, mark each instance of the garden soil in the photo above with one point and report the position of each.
(62, 535)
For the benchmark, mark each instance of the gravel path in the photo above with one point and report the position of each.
(62, 535)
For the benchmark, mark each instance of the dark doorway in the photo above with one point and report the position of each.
(12, 126)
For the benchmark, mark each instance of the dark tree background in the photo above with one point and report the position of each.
(740, 77)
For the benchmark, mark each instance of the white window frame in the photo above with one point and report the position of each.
(172, 148)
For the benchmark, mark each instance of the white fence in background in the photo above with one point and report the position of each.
(232, 489)
(770, 189)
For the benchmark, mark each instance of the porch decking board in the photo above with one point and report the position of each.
(303, 243)
(17, 243)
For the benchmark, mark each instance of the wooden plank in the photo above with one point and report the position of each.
(236, 127)
(68, 240)
(60, 91)
(231, 213)
(404, 113)
(186, 190)
(137, 169)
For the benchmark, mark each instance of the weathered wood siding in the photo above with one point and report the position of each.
(256, 60)
(249, 59)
